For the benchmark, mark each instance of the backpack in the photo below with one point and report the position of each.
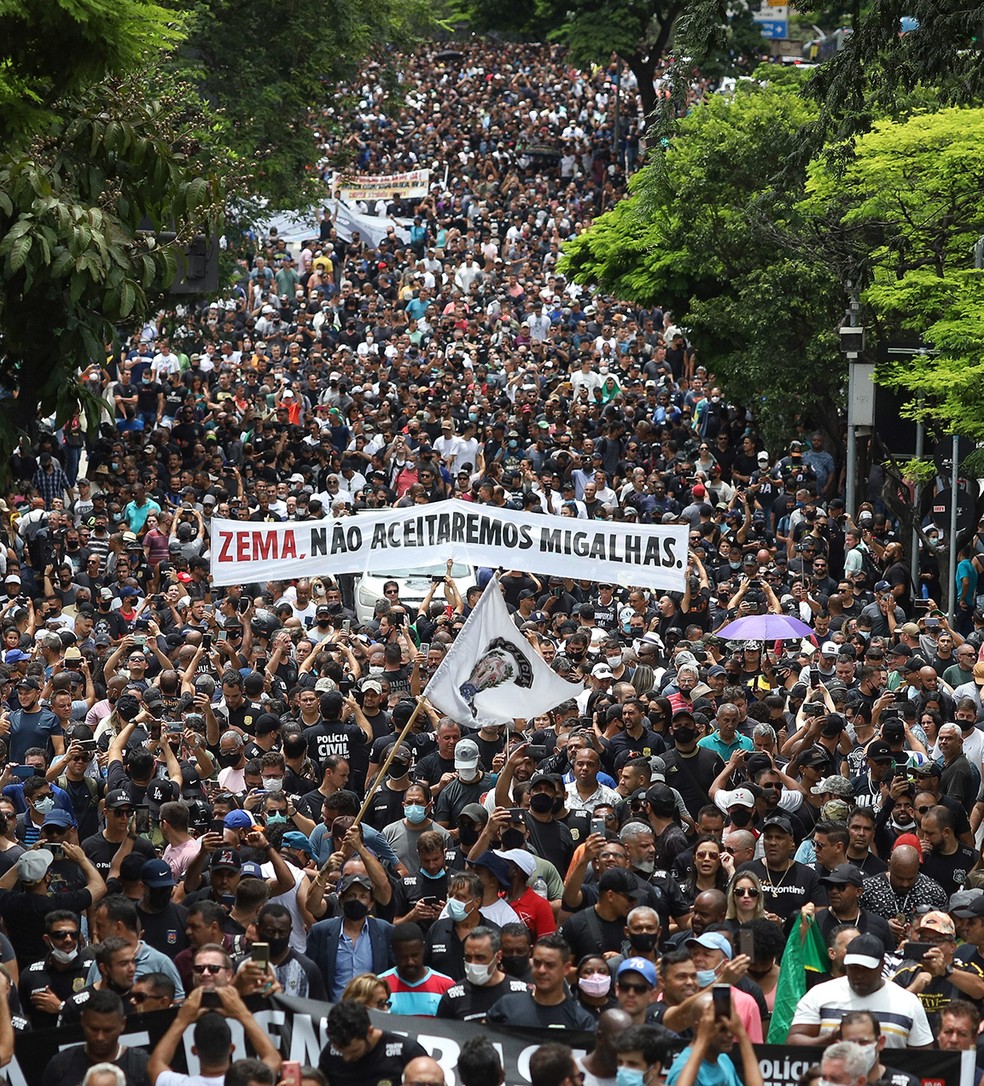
(869, 567)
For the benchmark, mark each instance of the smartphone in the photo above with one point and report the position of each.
(155, 731)
(517, 814)
(439, 579)
(536, 751)
(55, 848)
(139, 641)
(217, 825)
(915, 952)
(243, 605)
(346, 625)
(746, 943)
(814, 676)
(425, 647)
(430, 901)
(88, 746)
(174, 727)
(290, 1073)
(25, 771)
(210, 999)
(721, 997)
(345, 686)
(261, 663)
(598, 826)
(141, 819)
(207, 642)
(222, 635)
(260, 953)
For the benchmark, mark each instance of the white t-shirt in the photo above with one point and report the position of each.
(901, 1015)
(174, 1078)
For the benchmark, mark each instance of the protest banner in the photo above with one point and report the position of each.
(297, 1028)
(349, 187)
(648, 556)
(491, 669)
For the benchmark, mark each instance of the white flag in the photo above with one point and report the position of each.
(491, 674)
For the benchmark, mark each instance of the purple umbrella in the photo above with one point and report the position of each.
(765, 628)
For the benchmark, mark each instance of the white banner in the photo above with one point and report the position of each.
(648, 556)
(491, 673)
(371, 228)
(390, 186)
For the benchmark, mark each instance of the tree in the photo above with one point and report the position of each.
(909, 203)
(272, 72)
(88, 181)
(709, 233)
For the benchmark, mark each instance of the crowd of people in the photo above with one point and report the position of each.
(184, 766)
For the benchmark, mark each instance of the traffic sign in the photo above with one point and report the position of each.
(943, 454)
(965, 511)
(773, 29)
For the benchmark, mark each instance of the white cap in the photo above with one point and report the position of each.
(829, 648)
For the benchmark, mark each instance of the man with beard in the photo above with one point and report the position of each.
(117, 964)
(897, 893)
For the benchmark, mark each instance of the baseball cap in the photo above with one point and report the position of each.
(29, 683)
(829, 648)
(33, 866)
(780, 822)
(15, 656)
(937, 920)
(740, 797)
(238, 820)
(476, 812)
(844, 875)
(712, 940)
(117, 799)
(879, 751)
(159, 792)
(978, 673)
(156, 874)
(520, 857)
(354, 880)
(602, 671)
(227, 858)
(910, 629)
(970, 904)
(642, 966)
(617, 879)
(661, 799)
(866, 951)
(58, 817)
(837, 784)
(465, 754)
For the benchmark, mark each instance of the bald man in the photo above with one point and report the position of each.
(898, 891)
(423, 1071)
(601, 1063)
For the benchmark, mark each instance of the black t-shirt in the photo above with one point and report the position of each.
(64, 983)
(786, 893)
(101, 852)
(24, 916)
(470, 1003)
(950, 871)
(326, 738)
(587, 932)
(692, 775)
(165, 931)
(521, 1009)
(384, 1063)
(410, 889)
(432, 768)
(385, 807)
(71, 1064)
(444, 951)
(553, 841)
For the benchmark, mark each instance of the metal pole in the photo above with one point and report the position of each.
(916, 506)
(618, 91)
(852, 467)
(954, 491)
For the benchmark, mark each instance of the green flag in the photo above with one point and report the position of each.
(806, 952)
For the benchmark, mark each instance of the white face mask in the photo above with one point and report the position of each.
(273, 784)
(476, 973)
(64, 957)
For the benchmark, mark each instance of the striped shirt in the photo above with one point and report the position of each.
(900, 1014)
(421, 998)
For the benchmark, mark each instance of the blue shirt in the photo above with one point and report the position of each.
(725, 750)
(351, 959)
(719, 1073)
(30, 730)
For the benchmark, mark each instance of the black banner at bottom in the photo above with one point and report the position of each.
(297, 1026)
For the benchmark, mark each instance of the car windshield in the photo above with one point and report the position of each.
(457, 570)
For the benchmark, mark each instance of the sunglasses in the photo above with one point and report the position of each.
(746, 891)
(63, 936)
(199, 970)
(639, 989)
(140, 997)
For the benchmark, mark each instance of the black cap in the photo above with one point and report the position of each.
(617, 879)
(779, 822)
(844, 875)
(879, 751)
(661, 800)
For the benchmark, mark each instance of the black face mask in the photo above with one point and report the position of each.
(354, 909)
(159, 897)
(685, 735)
(643, 941)
(541, 803)
(228, 760)
(515, 965)
(741, 816)
(558, 805)
(467, 835)
(397, 770)
(513, 839)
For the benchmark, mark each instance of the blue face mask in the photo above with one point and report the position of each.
(629, 1076)
(415, 813)
(273, 819)
(437, 874)
(705, 977)
(457, 910)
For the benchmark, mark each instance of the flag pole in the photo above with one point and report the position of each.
(385, 766)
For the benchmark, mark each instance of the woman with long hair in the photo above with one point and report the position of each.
(745, 900)
(712, 868)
